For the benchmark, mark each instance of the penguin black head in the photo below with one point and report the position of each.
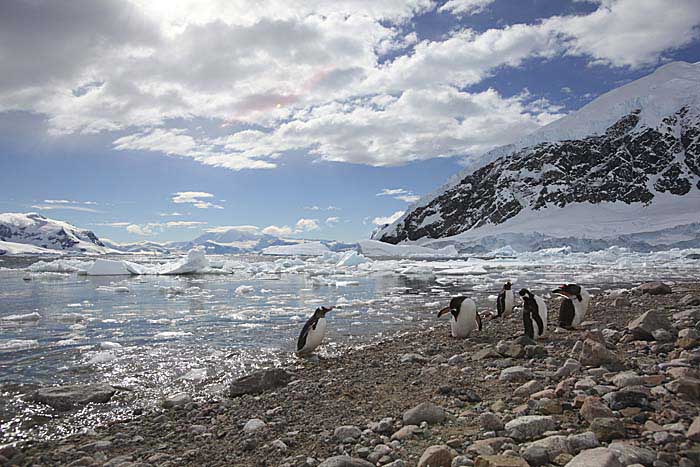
(507, 285)
(568, 291)
(455, 304)
(526, 294)
(321, 312)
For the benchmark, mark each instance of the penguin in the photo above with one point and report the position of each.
(574, 307)
(313, 331)
(505, 300)
(464, 316)
(534, 314)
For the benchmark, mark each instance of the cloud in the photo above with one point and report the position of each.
(114, 224)
(331, 221)
(277, 231)
(240, 228)
(153, 228)
(306, 225)
(195, 199)
(388, 219)
(186, 224)
(399, 193)
(465, 7)
(317, 208)
(142, 230)
(171, 214)
(62, 207)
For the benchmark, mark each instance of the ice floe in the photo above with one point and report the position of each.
(298, 249)
(34, 316)
(375, 248)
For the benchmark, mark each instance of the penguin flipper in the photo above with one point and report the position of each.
(567, 313)
(538, 320)
(311, 323)
(501, 303)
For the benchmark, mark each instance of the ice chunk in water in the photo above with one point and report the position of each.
(26, 317)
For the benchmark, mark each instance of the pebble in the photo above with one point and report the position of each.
(530, 426)
(516, 374)
(254, 424)
(437, 456)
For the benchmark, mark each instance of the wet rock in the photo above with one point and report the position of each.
(607, 429)
(425, 412)
(406, 432)
(643, 327)
(254, 424)
(516, 374)
(693, 433)
(630, 454)
(597, 457)
(342, 433)
(655, 288)
(546, 450)
(530, 426)
(500, 461)
(489, 421)
(595, 354)
(345, 461)
(582, 441)
(593, 407)
(437, 456)
(259, 381)
(63, 398)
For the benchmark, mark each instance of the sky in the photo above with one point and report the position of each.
(164, 119)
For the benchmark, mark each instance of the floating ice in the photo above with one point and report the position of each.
(351, 258)
(245, 289)
(102, 357)
(195, 374)
(108, 267)
(374, 248)
(17, 344)
(110, 345)
(26, 317)
(195, 262)
(298, 249)
(172, 334)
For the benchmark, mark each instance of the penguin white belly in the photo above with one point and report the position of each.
(509, 301)
(315, 336)
(542, 311)
(466, 320)
(580, 308)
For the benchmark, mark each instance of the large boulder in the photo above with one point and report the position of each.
(644, 326)
(546, 450)
(425, 412)
(260, 381)
(597, 457)
(630, 454)
(530, 426)
(596, 354)
(516, 374)
(607, 429)
(593, 407)
(63, 398)
(655, 288)
(437, 456)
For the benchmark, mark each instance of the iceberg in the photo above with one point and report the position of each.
(107, 267)
(352, 258)
(375, 248)
(298, 249)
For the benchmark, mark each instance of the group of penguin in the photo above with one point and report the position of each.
(465, 317)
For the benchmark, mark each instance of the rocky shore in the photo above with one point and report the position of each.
(622, 390)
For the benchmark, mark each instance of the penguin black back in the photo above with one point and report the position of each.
(309, 325)
(531, 314)
(501, 300)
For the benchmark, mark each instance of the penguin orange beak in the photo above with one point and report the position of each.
(444, 311)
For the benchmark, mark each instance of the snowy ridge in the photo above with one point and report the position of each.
(633, 147)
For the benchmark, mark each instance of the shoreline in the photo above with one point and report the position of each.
(365, 387)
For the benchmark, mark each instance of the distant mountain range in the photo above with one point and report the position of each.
(623, 170)
(33, 233)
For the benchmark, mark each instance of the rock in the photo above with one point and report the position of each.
(570, 367)
(510, 349)
(254, 424)
(413, 358)
(607, 429)
(259, 381)
(279, 445)
(593, 407)
(547, 406)
(597, 457)
(595, 354)
(546, 450)
(489, 421)
(485, 354)
(425, 412)
(63, 398)
(655, 288)
(500, 461)
(693, 433)
(462, 461)
(688, 338)
(689, 388)
(535, 351)
(437, 456)
(384, 426)
(516, 374)
(562, 459)
(582, 441)
(627, 378)
(530, 426)
(406, 432)
(633, 396)
(529, 388)
(629, 454)
(347, 432)
(643, 327)
(345, 461)
(689, 300)
(396, 463)
(622, 302)
(486, 447)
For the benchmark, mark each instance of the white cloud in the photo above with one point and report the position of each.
(240, 228)
(306, 225)
(186, 224)
(331, 221)
(317, 208)
(399, 193)
(277, 231)
(196, 199)
(171, 214)
(408, 198)
(465, 7)
(62, 207)
(114, 224)
(388, 219)
(142, 230)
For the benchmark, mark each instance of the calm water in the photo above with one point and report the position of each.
(156, 335)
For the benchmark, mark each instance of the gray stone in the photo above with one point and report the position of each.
(259, 381)
(693, 433)
(63, 398)
(489, 421)
(546, 450)
(643, 327)
(345, 461)
(437, 456)
(510, 349)
(690, 300)
(627, 378)
(516, 374)
(455, 360)
(425, 412)
(500, 461)
(630, 454)
(530, 426)
(632, 396)
(595, 354)
(254, 424)
(655, 288)
(406, 432)
(529, 388)
(413, 358)
(582, 441)
(607, 429)
(462, 461)
(342, 433)
(179, 399)
(597, 457)
(593, 407)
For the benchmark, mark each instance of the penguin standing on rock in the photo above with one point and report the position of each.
(573, 309)
(534, 314)
(313, 332)
(464, 316)
(505, 300)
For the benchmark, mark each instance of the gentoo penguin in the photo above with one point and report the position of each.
(464, 316)
(313, 331)
(574, 307)
(504, 302)
(534, 314)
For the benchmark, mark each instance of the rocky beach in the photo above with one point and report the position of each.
(622, 390)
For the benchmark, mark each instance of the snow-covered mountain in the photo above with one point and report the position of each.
(34, 233)
(623, 170)
(136, 247)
